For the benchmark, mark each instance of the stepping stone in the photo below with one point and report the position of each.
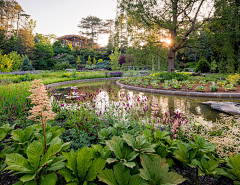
(228, 107)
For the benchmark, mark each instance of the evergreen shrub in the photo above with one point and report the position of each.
(27, 66)
(203, 66)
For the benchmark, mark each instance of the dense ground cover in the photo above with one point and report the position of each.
(185, 82)
(119, 143)
(53, 77)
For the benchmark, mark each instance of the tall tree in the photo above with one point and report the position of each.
(92, 27)
(225, 40)
(176, 18)
(9, 14)
(25, 42)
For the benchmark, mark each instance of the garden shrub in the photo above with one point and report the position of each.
(61, 65)
(233, 79)
(42, 64)
(26, 65)
(65, 75)
(103, 65)
(90, 67)
(190, 65)
(203, 66)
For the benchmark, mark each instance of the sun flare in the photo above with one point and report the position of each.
(168, 41)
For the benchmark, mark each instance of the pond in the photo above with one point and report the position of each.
(107, 93)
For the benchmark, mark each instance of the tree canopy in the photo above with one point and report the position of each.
(176, 19)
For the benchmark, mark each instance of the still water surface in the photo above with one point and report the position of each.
(190, 107)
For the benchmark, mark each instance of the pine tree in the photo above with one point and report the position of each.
(94, 61)
(26, 65)
(79, 60)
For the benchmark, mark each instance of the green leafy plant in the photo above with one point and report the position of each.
(120, 175)
(203, 66)
(127, 151)
(38, 165)
(200, 88)
(222, 82)
(185, 154)
(4, 130)
(189, 86)
(229, 87)
(81, 167)
(214, 87)
(156, 171)
(233, 173)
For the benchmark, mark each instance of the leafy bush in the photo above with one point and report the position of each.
(90, 67)
(103, 65)
(61, 65)
(203, 66)
(170, 76)
(233, 79)
(65, 75)
(42, 64)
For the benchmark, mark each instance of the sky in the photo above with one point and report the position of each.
(61, 17)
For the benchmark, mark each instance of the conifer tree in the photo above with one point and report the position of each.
(89, 60)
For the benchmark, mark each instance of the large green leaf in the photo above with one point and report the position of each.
(28, 132)
(113, 146)
(129, 164)
(121, 173)
(182, 153)
(34, 152)
(234, 161)
(67, 174)
(172, 178)
(129, 140)
(48, 137)
(32, 182)
(71, 161)
(96, 167)
(3, 134)
(56, 166)
(18, 135)
(108, 177)
(118, 140)
(137, 180)
(27, 177)
(49, 179)
(53, 149)
(161, 168)
(17, 162)
(84, 161)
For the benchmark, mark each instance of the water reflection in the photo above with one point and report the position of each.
(108, 94)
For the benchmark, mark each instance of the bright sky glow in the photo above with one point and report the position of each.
(61, 17)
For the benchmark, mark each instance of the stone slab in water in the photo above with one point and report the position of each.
(229, 107)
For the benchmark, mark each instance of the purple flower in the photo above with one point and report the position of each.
(4, 99)
(5, 107)
(64, 120)
(0, 97)
(62, 105)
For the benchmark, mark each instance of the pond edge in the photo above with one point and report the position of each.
(179, 93)
(78, 81)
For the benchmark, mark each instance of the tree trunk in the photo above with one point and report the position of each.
(159, 65)
(171, 58)
(152, 63)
